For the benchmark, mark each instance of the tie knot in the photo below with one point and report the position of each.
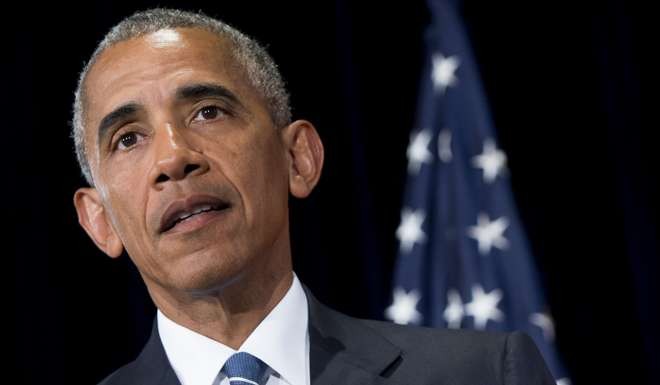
(245, 369)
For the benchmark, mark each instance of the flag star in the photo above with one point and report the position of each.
(418, 151)
(484, 306)
(403, 309)
(489, 234)
(563, 381)
(545, 322)
(444, 71)
(444, 146)
(410, 230)
(492, 161)
(454, 312)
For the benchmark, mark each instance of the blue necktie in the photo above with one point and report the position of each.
(245, 369)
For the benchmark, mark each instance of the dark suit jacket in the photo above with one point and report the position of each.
(346, 350)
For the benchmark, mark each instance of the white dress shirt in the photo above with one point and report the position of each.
(281, 340)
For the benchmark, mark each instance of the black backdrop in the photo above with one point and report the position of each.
(564, 83)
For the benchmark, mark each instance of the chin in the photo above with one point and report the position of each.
(204, 277)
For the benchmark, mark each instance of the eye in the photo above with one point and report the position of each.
(209, 113)
(127, 140)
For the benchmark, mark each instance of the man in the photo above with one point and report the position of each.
(183, 131)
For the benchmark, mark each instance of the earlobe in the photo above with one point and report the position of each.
(92, 216)
(306, 151)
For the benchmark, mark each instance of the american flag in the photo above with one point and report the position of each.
(464, 261)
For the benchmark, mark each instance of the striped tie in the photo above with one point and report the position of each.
(245, 369)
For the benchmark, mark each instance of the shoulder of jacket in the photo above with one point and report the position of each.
(119, 376)
(465, 336)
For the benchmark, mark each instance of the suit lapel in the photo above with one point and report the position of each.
(344, 351)
(152, 367)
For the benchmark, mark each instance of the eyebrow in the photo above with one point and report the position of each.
(185, 93)
(206, 90)
(121, 113)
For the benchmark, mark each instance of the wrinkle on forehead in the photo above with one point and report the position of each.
(159, 49)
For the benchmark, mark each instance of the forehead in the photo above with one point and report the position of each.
(153, 65)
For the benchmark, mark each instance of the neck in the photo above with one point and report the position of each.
(231, 314)
(230, 311)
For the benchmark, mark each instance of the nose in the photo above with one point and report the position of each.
(175, 158)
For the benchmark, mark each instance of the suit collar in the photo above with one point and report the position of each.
(342, 350)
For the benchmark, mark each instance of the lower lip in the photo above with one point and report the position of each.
(197, 221)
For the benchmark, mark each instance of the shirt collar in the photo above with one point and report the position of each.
(280, 340)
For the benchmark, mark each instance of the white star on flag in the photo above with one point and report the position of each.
(544, 321)
(403, 309)
(410, 230)
(492, 161)
(444, 71)
(484, 306)
(489, 234)
(454, 311)
(418, 151)
(444, 146)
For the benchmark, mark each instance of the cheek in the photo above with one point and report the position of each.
(257, 169)
(127, 190)
(268, 182)
(130, 169)
(128, 221)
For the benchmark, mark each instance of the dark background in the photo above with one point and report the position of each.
(564, 84)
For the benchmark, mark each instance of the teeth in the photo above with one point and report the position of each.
(203, 208)
(196, 211)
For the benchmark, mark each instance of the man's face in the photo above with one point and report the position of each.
(173, 123)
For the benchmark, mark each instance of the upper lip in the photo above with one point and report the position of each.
(186, 206)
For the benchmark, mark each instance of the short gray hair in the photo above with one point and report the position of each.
(259, 67)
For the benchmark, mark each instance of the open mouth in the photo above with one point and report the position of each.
(189, 214)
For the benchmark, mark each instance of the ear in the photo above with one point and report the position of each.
(93, 217)
(306, 154)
